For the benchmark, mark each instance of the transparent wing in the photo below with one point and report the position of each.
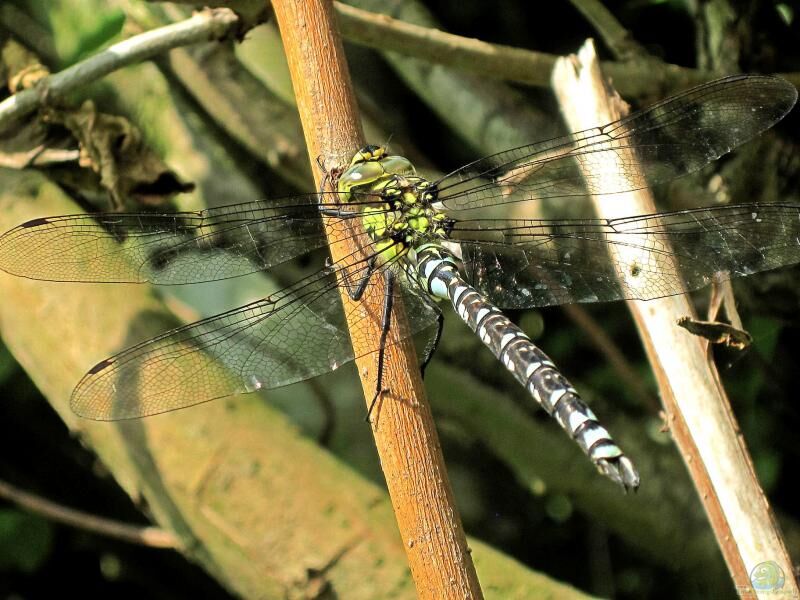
(293, 335)
(671, 138)
(173, 248)
(529, 263)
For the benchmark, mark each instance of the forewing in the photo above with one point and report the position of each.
(671, 138)
(170, 248)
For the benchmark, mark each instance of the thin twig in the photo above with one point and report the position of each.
(145, 536)
(385, 33)
(206, 25)
(633, 78)
(38, 157)
(405, 436)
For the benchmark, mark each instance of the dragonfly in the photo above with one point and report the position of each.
(428, 241)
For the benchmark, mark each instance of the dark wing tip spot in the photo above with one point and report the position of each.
(36, 222)
(102, 365)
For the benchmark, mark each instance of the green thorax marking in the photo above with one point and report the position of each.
(401, 216)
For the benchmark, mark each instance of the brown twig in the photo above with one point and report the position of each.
(145, 536)
(405, 436)
(699, 414)
(634, 78)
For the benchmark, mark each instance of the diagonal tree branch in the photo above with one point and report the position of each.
(146, 536)
(408, 445)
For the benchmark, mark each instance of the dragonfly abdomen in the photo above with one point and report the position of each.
(439, 272)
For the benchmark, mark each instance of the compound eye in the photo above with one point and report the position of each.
(360, 174)
(398, 165)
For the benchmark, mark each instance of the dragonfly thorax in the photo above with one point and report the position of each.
(396, 204)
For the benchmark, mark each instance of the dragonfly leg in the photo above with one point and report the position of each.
(430, 349)
(386, 324)
(356, 291)
(339, 213)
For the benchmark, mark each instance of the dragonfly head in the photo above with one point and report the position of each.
(371, 169)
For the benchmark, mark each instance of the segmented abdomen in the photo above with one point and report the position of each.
(438, 271)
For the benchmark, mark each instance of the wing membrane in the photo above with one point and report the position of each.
(293, 335)
(530, 263)
(173, 248)
(669, 139)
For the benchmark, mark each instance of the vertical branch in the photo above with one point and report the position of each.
(405, 436)
(699, 414)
